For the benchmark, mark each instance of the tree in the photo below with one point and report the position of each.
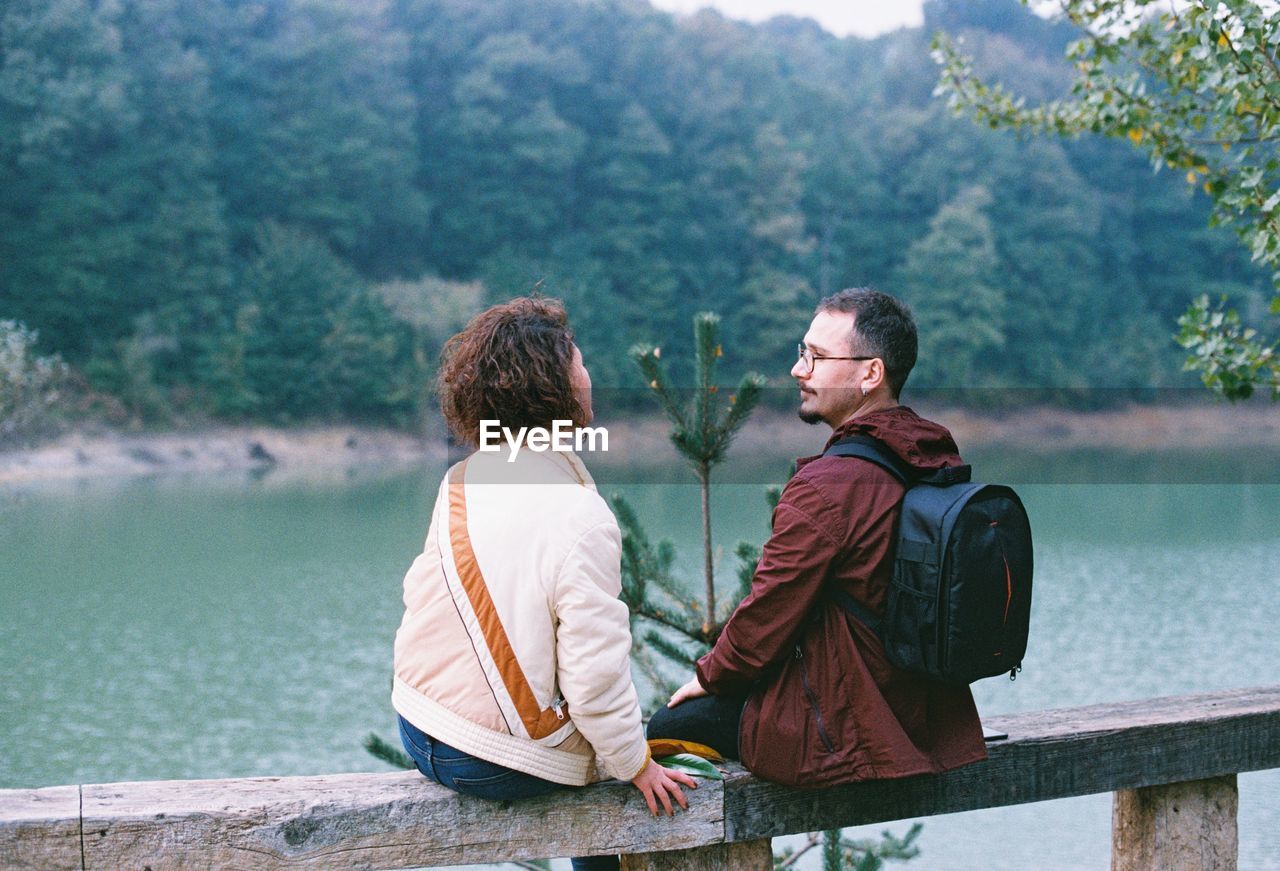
(177, 274)
(950, 279)
(1197, 88)
(64, 114)
(702, 433)
(30, 385)
(641, 167)
(311, 116)
(310, 341)
(369, 366)
(775, 299)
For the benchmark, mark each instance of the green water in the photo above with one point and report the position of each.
(221, 627)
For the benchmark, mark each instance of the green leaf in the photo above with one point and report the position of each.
(690, 764)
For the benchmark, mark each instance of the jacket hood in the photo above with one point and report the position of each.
(921, 443)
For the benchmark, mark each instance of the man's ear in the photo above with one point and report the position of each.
(875, 374)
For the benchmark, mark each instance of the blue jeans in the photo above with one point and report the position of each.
(469, 775)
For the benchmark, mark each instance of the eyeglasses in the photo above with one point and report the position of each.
(808, 358)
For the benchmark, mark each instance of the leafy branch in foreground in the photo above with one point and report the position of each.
(1196, 87)
(1229, 355)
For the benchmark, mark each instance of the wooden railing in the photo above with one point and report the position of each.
(1171, 762)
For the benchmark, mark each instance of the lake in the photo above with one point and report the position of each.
(233, 626)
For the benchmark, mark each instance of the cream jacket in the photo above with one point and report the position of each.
(514, 645)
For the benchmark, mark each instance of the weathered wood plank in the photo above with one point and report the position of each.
(396, 820)
(40, 828)
(742, 856)
(1048, 755)
(1188, 826)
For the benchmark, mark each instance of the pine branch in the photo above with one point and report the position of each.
(773, 495)
(893, 847)
(869, 855)
(748, 556)
(642, 564)
(680, 596)
(669, 650)
(790, 857)
(647, 357)
(648, 611)
(388, 753)
(741, 404)
(644, 661)
(627, 520)
(666, 557)
(832, 854)
(636, 553)
(706, 336)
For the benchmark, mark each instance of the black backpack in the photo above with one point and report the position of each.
(959, 606)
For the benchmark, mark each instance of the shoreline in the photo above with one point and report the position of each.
(335, 451)
(312, 452)
(1043, 429)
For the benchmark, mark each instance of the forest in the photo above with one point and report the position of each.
(278, 210)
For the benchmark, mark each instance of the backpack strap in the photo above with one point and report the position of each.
(873, 451)
(837, 596)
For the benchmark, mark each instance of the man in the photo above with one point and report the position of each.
(796, 687)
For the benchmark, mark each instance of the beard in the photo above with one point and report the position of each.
(809, 416)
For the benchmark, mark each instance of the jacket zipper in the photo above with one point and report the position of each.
(813, 703)
(557, 706)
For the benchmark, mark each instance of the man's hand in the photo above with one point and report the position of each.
(659, 784)
(691, 690)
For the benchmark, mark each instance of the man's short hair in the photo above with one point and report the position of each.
(510, 363)
(882, 327)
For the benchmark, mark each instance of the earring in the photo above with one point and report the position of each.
(864, 390)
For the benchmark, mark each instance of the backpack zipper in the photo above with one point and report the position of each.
(813, 703)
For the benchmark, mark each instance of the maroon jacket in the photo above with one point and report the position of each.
(825, 706)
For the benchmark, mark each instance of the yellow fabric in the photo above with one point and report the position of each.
(675, 746)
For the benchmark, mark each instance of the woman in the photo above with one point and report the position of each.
(511, 662)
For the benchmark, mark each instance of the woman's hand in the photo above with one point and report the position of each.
(659, 784)
(691, 690)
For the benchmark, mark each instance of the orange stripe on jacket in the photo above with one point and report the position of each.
(538, 722)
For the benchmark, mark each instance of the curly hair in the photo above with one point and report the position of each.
(510, 363)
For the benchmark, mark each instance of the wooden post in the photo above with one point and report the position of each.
(1188, 826)
(40, 828)
(740, 856)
